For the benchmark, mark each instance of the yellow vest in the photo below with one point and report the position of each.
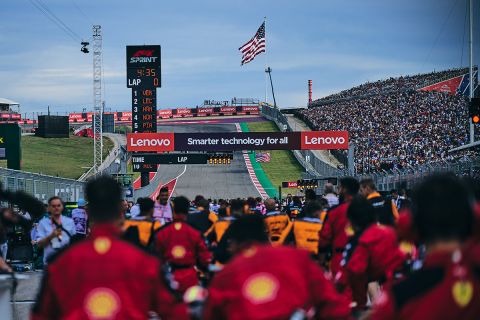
(220, 227)
(307, 234)
(278, 227)
(144, 229)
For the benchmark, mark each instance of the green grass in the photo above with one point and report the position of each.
(123, 129)
(62, 157)
(283, 166)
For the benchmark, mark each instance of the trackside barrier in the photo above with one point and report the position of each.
(305, 157)
(41, 186)
(386, 180)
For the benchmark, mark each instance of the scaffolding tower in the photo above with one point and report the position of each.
(97, 98)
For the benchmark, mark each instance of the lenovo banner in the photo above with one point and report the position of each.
(72, 116)
(204, 111)
(158, 142)
(164, 114)
(231, 141)
(228, 109)
(250, 109)
(184, 111)
(289, 184)
(324, 140)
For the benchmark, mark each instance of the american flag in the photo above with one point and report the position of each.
(254, 46)
(262, 157)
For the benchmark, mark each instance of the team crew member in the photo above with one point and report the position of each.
(54, 232)
(294, 208)
(141, 229)
(104, 277)
(220, 227)
(182, 247)
(305, 231)
(386, 211)
(163, 209)
(333, 236)
(372, 254)
(201, 218)
(263, 282)
(222, 253)
(446, 287)
(278, 224)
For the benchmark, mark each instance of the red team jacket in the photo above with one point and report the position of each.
(272, 283)
(375, 258)
(183, 248)
(104, 277)
(445, 288)
(333, 235)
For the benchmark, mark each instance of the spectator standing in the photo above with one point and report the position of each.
(330, 195)
(261, 206)
(135, 210)
(55, 231)
(80, 218)
(104, 277)
(163, 209)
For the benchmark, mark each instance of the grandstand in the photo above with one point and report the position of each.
(403, 83)
(396, 125)
(9, 110)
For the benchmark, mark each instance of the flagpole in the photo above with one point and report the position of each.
(266, 62)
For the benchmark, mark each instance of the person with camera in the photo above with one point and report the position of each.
(104, 276)
(55, 231)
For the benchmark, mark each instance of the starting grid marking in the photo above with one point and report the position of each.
(251, 172)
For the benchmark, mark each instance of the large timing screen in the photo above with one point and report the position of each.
(143, 77)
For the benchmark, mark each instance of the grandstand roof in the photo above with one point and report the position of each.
(8, 101)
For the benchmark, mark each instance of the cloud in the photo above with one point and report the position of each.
(333, 60)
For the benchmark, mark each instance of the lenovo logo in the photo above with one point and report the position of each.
(324, 140)
(158, 142)
(149, 142)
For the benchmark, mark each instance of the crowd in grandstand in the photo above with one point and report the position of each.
(348, 253)
(395, 84)
(400, 129)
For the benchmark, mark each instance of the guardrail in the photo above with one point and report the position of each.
(42, 186)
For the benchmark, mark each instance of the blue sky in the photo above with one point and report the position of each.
(337, 44)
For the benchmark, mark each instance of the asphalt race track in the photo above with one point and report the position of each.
(215, 182)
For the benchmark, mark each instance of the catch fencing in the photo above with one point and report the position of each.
(306, 158)
(42, 186)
